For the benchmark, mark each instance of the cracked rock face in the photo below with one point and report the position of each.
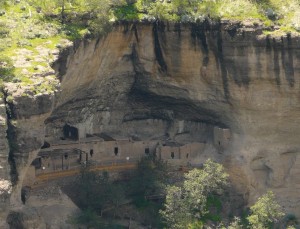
(178, 83)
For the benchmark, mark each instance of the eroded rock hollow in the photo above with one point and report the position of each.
(226, 87)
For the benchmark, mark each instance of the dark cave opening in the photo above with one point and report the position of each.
(70, 132)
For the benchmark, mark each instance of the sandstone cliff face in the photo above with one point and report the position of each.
(144, 80)
(5, 180)
(179, 83)
(24, 126)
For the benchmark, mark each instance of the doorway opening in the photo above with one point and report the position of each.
(172, 155)
(147, 151)
(116, 151)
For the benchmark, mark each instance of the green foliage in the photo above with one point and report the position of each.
(94, 190)
(126, 12)
(15, 220)
(236, 224)
(280, 12)
(190, 203)
(200, 183)
(265, 212)
(149, 178)
(89, 218)
(290, 220)
(195, 225)
(6, 68)
(176, 213)
(96, 193)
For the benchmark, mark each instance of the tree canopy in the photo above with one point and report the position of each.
(265, 212)
(188, 204)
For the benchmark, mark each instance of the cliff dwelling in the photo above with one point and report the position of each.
(100, 149)
(180, 91)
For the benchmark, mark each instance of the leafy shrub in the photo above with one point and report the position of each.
(6, 67)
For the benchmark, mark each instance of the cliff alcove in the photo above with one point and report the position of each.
(181, 83)
(226, 89)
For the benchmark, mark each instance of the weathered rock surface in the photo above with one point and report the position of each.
(54, 207)
(5, 181)
(25, 134)
(179, 82)
(147, 80)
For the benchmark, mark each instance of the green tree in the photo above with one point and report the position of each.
(265, 212)
(149, 178)
(176, 211)
(188, 204)
(116, 196)
(93, 190)
(89, 218)
(99, 11)
(236, 224)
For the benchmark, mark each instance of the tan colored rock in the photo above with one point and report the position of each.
(225, 77)
(178, 83)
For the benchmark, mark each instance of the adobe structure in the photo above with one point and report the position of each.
(74, 149)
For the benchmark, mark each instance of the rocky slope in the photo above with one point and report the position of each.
(177, 82)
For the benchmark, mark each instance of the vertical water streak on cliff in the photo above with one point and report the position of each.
(157, 47)
(243, 73)
(220, 59)
(273, 53)
(199, 36)
(258, 61)
(134, 28)
(289, 62)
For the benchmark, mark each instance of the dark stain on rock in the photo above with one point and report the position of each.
(177, 28)
(157, 47)
(198, 35)
(125, 26)
(243, 73)
(232, 31)
(60, 65)
(12, 140)
(238, 67)
(135, 32)
(258, 62)
(223, 69)
(289, 63)
(205, 61)
(276, 65)
(268, 44)
(97, 43)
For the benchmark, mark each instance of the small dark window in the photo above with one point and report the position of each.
(172, 155)
(66, 156)
(147, 151)
(91, 152)
(187, 155)
(219, 143)
(116, 151)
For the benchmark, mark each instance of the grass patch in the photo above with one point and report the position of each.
(127, 12)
